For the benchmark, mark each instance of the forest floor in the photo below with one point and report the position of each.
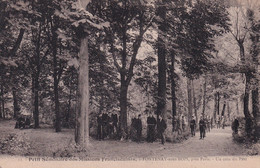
(46, 142)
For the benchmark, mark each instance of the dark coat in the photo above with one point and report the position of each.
(202, 124)
(161, 127)
(138, 124)
(192, 123)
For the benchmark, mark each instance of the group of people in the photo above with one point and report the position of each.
(205, 124)
(153, 126)
(107, 125)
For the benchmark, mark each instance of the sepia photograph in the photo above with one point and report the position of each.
(129, 83)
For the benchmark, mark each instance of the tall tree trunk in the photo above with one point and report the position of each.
(161, 104)
(228, 110)
(218, 103)
(36, 76)
(246, 96)
(82, 113)
(254, 36)
(215, 107)
(194, 101)
(70, 97)
(33, 93)
(1, 116)
(123, 107)
(15, 103)
(2, 99)
(224, 106)
(247, 79)
(223, 109)
(173, 84)
(36, 101)
(189, 99)
(101, 66)
(56, 80)
(204, 97)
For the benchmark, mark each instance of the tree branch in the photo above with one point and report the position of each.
(17, 43)
(136, 46)
(114, 56)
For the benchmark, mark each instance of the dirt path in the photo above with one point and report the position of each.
(218, 142)
(45, 142)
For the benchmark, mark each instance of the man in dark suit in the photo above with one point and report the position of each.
(202, 126)
(151, 123)
(105, 120)
(192, 126)
(161, 127)
(139, 128)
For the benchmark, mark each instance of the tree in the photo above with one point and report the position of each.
(161, 104)
(254, 37)
(128, 21)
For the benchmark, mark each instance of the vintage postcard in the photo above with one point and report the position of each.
(146, 83)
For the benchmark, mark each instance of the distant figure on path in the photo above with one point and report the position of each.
(115, 121)
(161, 127)
(151, 123)
(202, 127)
(133, 129)
(105, 124)
(110, 127)
(235, 125)
(192, 126)
(139, 128)
(211, 122)
(218, 122)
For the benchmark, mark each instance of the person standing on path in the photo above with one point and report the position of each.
(151, 123)
(235, 125)
(218, 122)
(192, 126)
(104, 125)
(139, 128)
(115, 121)
(161, 127)
(202, 127)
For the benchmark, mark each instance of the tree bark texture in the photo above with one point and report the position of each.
(56, 80)
(173, 84)
(15, 103)
(82, 113)
(161, 104)
(2, 99)
(123, 107)
(246, 95)
(194, 101)
(204, 97)
(189, 99)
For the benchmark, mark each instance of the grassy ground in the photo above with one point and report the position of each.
(45, 142)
